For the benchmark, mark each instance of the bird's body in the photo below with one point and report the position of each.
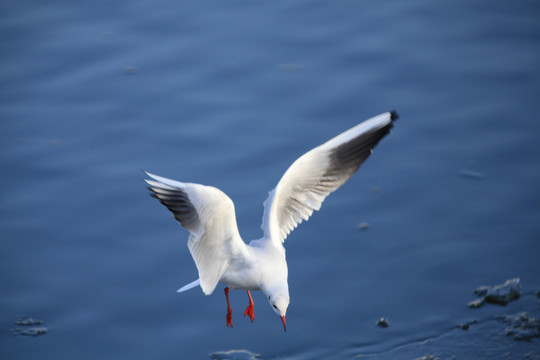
(264, 267)
(208, 214)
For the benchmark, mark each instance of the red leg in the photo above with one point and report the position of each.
(250, 310)
(229, 310)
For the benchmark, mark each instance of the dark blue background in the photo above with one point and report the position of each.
(230, 93)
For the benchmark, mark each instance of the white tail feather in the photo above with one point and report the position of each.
(189, 286)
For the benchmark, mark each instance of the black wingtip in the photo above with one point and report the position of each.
(394, 115)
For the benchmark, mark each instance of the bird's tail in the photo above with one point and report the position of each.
(189, 286)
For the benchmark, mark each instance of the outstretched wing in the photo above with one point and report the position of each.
(208, 214)
(317, 173)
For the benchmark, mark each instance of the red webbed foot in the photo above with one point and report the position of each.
(229, 318)
(250, 310)
(229, 310)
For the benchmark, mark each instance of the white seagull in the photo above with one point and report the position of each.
(208, 214)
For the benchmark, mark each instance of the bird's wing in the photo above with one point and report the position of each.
(317, 173)
(208, 214)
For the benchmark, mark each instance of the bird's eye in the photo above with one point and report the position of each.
(275, 307)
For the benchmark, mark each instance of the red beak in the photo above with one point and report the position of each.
(284, 323)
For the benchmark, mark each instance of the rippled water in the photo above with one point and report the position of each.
(229, 94)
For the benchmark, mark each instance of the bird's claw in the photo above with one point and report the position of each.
(229, 318)
(250, 310)
(229, 310)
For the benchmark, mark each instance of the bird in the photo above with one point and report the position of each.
(214, 241)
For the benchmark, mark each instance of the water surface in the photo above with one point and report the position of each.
(229, 94)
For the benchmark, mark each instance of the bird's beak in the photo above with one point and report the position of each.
(284, 323)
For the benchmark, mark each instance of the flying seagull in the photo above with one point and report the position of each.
(208, 214)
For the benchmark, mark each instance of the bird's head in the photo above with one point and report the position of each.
(279, 302)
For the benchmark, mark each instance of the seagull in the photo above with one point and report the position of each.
(208, 214)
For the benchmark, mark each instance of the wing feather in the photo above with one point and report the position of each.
(319, 172)
(208, 214)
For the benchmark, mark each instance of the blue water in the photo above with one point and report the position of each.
(229, 93)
